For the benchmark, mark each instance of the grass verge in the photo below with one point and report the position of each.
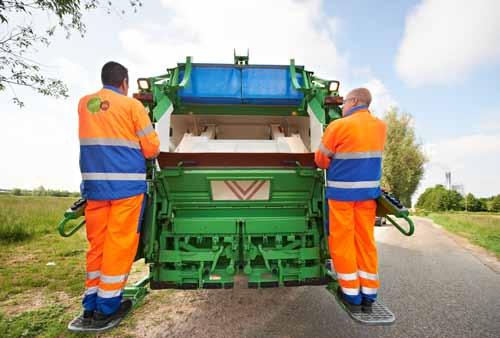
(42, 274)
(480, 229)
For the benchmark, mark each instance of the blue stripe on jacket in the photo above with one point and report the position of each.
(354, 170)
(111, 159)
(112, 189)
(355, 194)
(364, 169)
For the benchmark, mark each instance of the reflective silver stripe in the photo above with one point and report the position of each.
(108, 294)
(347, 276)
(145, 131)
(367, 275)
(368, 291)
(109, 142)
(350, 292)
(353, 185)
(93, 274)
(357, 155)
(113, 279)
(113, 176)
(90, 291)
(325, 150)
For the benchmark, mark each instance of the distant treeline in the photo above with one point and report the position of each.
(439, 198)
(41, 191)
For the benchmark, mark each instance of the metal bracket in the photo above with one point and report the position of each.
(137, 292)
(295, 83)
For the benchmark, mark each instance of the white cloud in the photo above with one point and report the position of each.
(473, 160)
(40, 146)
(444, 40)
(382, 98)
(285, 29)
(209, 30)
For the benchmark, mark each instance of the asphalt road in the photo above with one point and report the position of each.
(435, 287)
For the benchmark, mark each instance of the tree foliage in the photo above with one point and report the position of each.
(439, 198)
(403, 165)
(20, 39)
(471, 203)
(495, 204)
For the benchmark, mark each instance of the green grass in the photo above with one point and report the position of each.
(47, 322)
(36, 299)
(481, 229)
(26, 217)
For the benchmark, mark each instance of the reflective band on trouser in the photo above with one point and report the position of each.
(368, 291)
(325, 150)
(113, 176)
(109, 142)
(93, 274)
(113, 279)
(350, 291)
(357, 155)
(108, 294)
(146, 131)
(347, 276)
(367, 275)
(91, 290)
(353, 185)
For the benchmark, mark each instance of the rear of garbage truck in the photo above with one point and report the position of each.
(235, 190)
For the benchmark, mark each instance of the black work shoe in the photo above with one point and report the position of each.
(82, 322)
(366, 305)
(353, 308)
(102, 322)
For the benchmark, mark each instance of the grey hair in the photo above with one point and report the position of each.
(362, 95)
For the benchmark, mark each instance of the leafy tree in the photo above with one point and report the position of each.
(495, 204)
(21, 38)
(40, 191)
(439, 198)
(453, 200)
(483, 202)
(403, 165)
(472, 203)
(17, 192)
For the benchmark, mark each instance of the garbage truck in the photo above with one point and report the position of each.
(235, 190)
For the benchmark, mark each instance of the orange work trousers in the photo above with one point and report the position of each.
(113, 228)
(352, 247)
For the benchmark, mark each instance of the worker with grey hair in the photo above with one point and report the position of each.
(351, 152)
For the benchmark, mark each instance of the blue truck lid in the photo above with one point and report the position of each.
(236, 84)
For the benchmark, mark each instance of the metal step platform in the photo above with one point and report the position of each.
(380, 315)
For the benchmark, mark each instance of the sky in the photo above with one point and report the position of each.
(438, 60)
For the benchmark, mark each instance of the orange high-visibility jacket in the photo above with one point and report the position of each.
(351, 151)
(116, 135)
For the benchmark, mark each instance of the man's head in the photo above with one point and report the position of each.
(114, 74)
(356, 97)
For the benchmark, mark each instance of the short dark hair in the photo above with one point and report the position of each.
(113, 74)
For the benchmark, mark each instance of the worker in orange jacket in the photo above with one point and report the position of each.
(116, 136)
(351, 151)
